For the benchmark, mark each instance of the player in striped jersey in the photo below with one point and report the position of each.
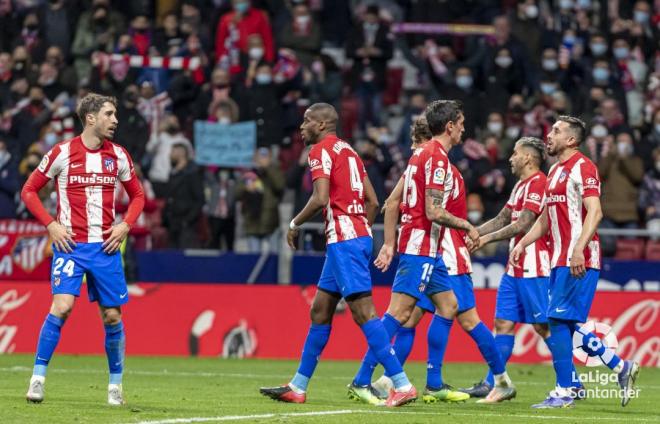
(342, 188)
(571, 215)
(86, 240)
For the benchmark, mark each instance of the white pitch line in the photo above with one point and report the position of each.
(438, 414)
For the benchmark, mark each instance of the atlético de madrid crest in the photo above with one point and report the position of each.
(109, 164)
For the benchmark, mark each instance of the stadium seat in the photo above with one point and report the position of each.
(629, 249)
(653, 250)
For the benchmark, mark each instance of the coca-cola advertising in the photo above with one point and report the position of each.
(269, 321)
(24, 250)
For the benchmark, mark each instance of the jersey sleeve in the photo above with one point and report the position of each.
(511, 203)
(436, 171)
(535, 196)
(320, 162)
(589, 185)
(52, 163)
(125, 168)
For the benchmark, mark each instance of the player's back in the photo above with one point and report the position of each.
(568, 184)
(455, 253)
(85, 182)
(529, 194)
(345, 214)
(428, 168)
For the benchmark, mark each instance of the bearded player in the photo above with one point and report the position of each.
(571, 215)
(86, 241)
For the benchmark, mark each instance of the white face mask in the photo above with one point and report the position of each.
(474, 216)
(224, 120)
(624, 149)
(256, 53)
(495, 127)
(532, 11)
(550, 64)
(599, 131)
(503, 61)
(512, 132)
(303, 19)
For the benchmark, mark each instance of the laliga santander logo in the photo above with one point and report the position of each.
(584, 336)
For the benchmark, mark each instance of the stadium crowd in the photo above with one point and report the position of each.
(267, 60)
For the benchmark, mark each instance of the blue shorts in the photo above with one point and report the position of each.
(417, 275)
(570, 297)
(106, 283)
(346, 267)
(425, 303)
(522, 299)
(462, 286)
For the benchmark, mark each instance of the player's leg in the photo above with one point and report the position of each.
(403, 343)
(351, 269)
(67, 271)
(321, 313)
(115, 346)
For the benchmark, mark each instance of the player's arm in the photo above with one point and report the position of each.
(391, 211)
(591, 221)
(436, 213)
(370, 200)
(539, 229)
(317, 201)
(522, 225)
(117, 233)
(62, 239)
(499, 222)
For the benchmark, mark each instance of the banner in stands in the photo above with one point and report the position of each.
(24, 250)
(225, 145)
(268, 321)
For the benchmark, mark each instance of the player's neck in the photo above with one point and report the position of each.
(566, 154)
(444, 141)
(90, 140)
(528, 172)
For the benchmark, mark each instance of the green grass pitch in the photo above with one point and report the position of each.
(189, 390)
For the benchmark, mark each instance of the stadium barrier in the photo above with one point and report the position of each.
(271, 321)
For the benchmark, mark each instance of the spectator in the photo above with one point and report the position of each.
(218, 89)
(325, 81)
(504, 78)
(524, 27)
(140, 33)
(621, 172)
(649, 144)
(260, 192)
(6, 79)
(472, 99)
(32, 38)
(302, 34)
(26, 124)
(9, 182)
(8, 25)
(184, 199)
(220, 207)
(632, 77)
(66, 74)
(132, 131)
(168, 39)
(262, 104)
(649, 193)
(519, 63)
(335, 21)
(49, 81)
(96, 31)
(159, 148)
(57, 24)
(22, 67)
(417, 102)
(377, 160)
(233, 31)
(370, 47)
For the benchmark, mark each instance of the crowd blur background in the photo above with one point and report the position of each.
(267, 60)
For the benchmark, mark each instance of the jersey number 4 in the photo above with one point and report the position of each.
(356, 179)
(68, 267)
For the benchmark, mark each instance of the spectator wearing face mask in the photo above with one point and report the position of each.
(168, 39)
(132, 131)
(525, 27)
(650, 143)
(302, 34)
(376, 157)
(649, 194)
(643, 32)
(159, 149)
(621, 172)
(66, 74)
(503, 79)
(9, 182)
(325, 81)
(9, 25)
(233, 31)
(472, 99)
(603, 77)
(27, 124)
(632, 76)
(262, 104)
(220, 208)
(31, 37)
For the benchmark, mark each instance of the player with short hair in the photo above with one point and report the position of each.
(342, 188)
(571, 215)
(86, 241)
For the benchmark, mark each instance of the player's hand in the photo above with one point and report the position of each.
(62, 238)
(473, 234)
(514, 257)
(384, 258)
(117, 235)
(291, 237)
(483, 240)
(578, 270)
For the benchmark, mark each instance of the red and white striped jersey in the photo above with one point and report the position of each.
(568, 184)
(345, 215)
(455, 253)
(428, 168)
(85, 182)
(529, 194)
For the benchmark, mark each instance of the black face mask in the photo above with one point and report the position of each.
(32, 27)
(174, 163)
(172, 129)
(130, 97)
(36, 102)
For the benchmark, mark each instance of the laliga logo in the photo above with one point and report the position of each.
(582, 337)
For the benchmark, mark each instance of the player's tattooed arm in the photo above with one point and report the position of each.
(370, 200)
(500, 221)
(522, 225)
(438, 214)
